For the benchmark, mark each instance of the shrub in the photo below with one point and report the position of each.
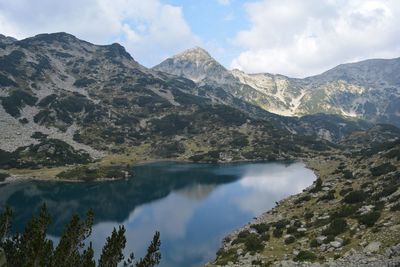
(382, 169)
(365, 185)
(386, 191)
(256, 262)
(396, 207)
(317, 187)
(347, 174)
(345, 211)
(336, 227)
(223, 257)
(281, 224)
(277, 232)
(370, 218)
(265, 237)
(314, 243)
(328, 196)
(253, 243)
(291, 230)
(308, 215)
(243, 234)
(17, 100)
(290, 240)
(3, 176)
(303, 199)
(84, 82)
(305, 255)
(239, 141)
(355, 197)
(260, 227)
(329, 238)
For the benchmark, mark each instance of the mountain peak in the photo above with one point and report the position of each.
(7, 39)
(195, 54)
(53, 37)
(195, 64)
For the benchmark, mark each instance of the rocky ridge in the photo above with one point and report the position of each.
(368, 89)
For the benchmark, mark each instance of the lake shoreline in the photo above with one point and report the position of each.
(202, 192)
(26, 177)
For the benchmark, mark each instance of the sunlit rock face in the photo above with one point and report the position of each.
(196, 64)
(368, 89)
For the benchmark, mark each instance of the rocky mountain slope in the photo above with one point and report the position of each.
(67, 101)
(349, 217)
(368, 90)
(74, 110)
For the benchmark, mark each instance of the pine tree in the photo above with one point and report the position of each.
(153, 255)
(5, 223)
(67, 253)
(33, 249)
(87, 257)
(112, 250)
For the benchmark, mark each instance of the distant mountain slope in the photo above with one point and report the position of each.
(64, 98)
(368, 89)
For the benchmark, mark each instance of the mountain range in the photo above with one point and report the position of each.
(368, 90)
(66, 101)
(73, 110)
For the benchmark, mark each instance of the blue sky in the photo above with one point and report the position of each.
(297, 38)
(216, 24)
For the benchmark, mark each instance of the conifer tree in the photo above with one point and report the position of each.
(112, 250)
(34, 249)
(72, 242)
(153, 255)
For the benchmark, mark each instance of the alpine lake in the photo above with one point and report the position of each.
(194, 206)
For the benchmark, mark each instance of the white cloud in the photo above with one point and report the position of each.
(149, 29)
(300, 38)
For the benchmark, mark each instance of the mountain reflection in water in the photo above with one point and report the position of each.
(193, 205)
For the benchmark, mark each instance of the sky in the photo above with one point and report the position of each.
(297, 38)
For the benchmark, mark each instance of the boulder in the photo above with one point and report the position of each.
(336, 244)
(338, 239)
(373, 247)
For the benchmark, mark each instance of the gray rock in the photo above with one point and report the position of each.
(366, 209)
(323, 247)
(338, 239)
(336, 244)
(321, 239)
(373, 247)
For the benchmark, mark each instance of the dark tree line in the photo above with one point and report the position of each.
(32, 248)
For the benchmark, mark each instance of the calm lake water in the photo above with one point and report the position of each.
(193, 205)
